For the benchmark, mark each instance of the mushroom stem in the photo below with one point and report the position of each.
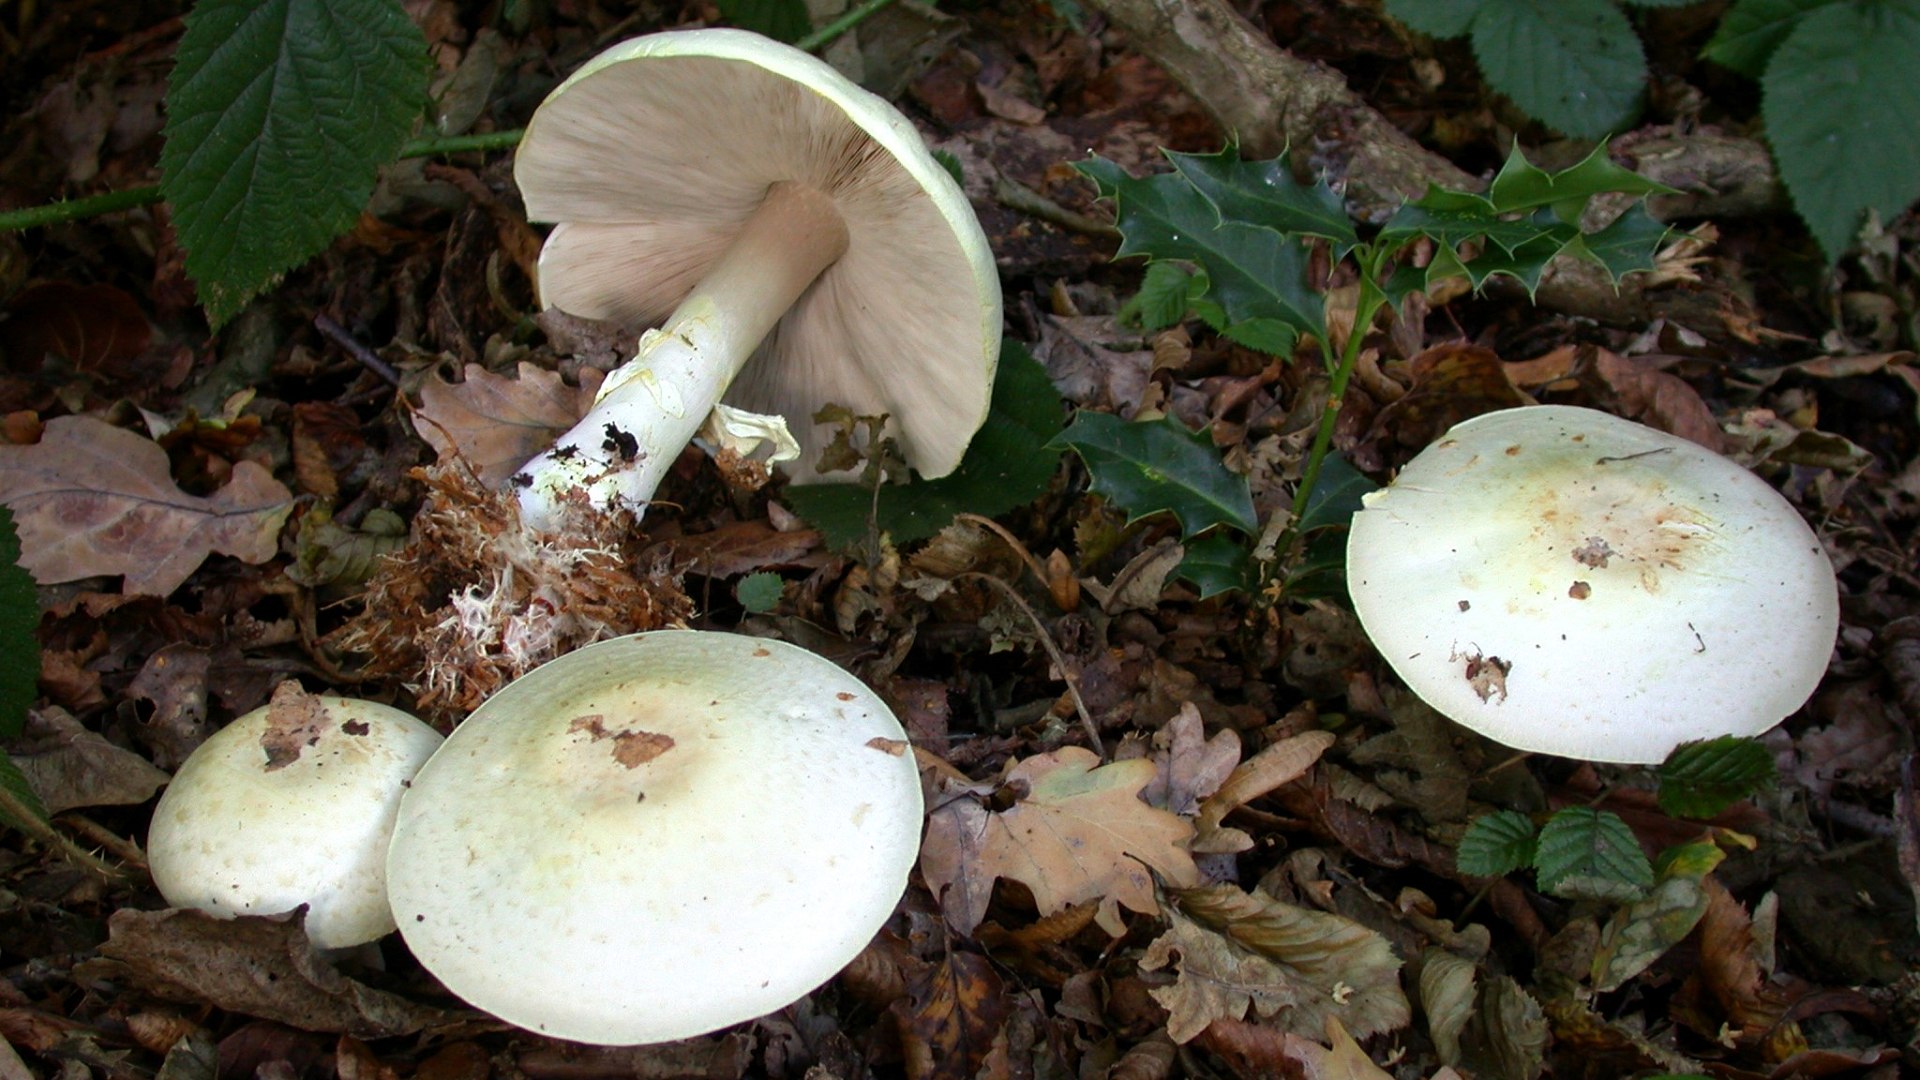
(650, 407)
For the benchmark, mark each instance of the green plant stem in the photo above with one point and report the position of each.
(35, 217)
(1370, 302)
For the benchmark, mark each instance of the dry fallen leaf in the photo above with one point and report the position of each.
(1189, 765)
(69, 766)
(1298, 968)
(496, 423)
(91, 498)
(1076, 833)
(956, 1010)
(1282, 763)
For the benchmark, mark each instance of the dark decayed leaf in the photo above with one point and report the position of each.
(1009, 463)
(1642, 932)
(1701, 779)
(1158, 465)
(255, 965)
(956, 1011)
(279, 114)
(1583, 852)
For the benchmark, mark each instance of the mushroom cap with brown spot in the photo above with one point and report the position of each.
(652, 155)
(1568, 582)
(291, 804)
(657, 836)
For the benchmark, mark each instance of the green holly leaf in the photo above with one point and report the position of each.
(1843, 114)
(279, 115)
(1752, 29)
(1158, 465)
(1628, 245)
(1591, 854)
(1265, 193)
(1574, 65)
(1495, 844)
(1216, 563)
(1254, 273)
(1009, 463)
(1701, 779)
(1521, 185)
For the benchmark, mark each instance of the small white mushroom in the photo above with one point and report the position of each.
(657, 836)
(1568, 582)
(291, 804)
(794, 234)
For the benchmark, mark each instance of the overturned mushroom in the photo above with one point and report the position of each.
(801, 244)
(1568, 582)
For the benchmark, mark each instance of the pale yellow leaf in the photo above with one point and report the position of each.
(90, 498)
(496, 423)
(1076, 833)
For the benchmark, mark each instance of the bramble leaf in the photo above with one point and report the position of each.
(1700, 779)
(1009, 463)
(1146, 467)
(781, 20)
(1436, 18)
(1752, 29)
(1574, 65)
(759, 592)
(19, 648)
(1843, 114)
(1583, 852)
(279, 115)
(1495, 844)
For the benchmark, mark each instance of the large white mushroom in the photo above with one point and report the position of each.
(794, 234)
(657, 836)
(1568, 582)
(291, 804)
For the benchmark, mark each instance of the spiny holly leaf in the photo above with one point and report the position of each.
(1843, 114)
(1495, 844)
(19, 649)
(1700, 779)
(1752, 29)
(1265, 193)
(1254, 273)
(1216, 563)
(1009, 463)
(1575, 65)
(279, 113)
(1522, 185)
(1583, 852)
(1157, 465)
(1627, 245)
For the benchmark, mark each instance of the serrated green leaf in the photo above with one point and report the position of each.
(1158, 465)
(1592, 854)
(1436, 18)
(1253, 272)
(279, 115)
(1166, 293)
(1265, 193)
(20, 805)
(1842, 111)
(1643, 931)
(1752, 29)
(760, 592)
(1495, 844)
(1701, 779)
(1009, 463)
(781, 20)
(19, 648)
(1574, 65)
(1216, 563)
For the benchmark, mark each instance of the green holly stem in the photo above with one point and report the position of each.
(1372, 299)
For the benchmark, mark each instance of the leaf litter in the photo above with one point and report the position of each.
(296, 535)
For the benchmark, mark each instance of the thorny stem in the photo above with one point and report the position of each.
(35, 217)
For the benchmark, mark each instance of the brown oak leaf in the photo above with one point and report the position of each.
(90, 498)
(1075, 833)
(496, 423)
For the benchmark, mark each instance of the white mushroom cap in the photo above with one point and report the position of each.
(657, 836)
(655, 153)
(1568, 582)
(291, 804)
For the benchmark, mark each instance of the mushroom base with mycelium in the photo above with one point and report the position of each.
(1568, 582)
(657, 836)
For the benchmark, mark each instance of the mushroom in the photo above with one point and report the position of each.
(291, 804)
(656, 836)
(801, 243)
(1567, 582)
